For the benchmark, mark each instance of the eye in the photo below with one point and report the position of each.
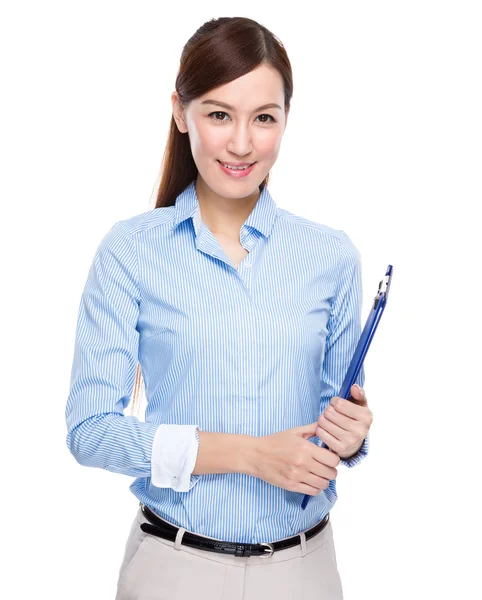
(264, 115)
(220, 112)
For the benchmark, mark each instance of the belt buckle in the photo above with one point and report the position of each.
(270, 549)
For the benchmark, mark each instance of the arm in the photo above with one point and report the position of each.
(344, 330)
(226, 453)
(103, 373)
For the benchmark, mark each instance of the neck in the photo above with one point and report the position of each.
(224, 215)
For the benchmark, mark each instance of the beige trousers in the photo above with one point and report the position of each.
(157, 569)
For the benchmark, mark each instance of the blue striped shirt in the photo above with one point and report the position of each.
(250, 350)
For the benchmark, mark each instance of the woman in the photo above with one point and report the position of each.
(243, 317)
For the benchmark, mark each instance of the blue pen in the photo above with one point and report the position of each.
(364, 342)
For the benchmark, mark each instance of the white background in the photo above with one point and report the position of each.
(383, 141)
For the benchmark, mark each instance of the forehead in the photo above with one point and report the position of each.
(261, 86)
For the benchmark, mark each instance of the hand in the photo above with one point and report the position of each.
(288, 460)
(344, 424)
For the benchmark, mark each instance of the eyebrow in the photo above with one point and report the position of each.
(224, 105)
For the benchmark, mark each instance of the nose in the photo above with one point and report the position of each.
(240, 142)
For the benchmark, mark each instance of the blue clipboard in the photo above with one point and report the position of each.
(364, 342)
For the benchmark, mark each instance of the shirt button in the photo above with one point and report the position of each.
(248, 265)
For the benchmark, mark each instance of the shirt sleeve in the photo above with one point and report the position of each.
(344, 331)
(103, 375)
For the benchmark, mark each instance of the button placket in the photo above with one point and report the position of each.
(245, 271)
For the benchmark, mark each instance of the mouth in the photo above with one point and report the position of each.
(236, 165)
(236, 172)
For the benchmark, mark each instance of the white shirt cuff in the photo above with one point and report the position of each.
(174, 454)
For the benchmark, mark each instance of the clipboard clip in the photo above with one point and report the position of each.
(382, 290)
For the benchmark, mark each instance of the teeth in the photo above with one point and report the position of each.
(235, 168)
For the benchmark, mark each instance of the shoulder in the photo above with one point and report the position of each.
(145, 221)
(124, 232)
(337, 240)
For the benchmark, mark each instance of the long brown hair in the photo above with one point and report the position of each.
(220, 51)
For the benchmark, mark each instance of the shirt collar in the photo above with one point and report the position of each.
(262, 216)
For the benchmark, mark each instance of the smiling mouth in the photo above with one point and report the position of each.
(236, 166)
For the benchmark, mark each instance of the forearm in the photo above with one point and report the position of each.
(115, 442)
(225, 453)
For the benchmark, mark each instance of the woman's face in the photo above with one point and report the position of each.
(242, 133)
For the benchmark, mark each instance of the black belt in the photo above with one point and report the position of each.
(163, 529)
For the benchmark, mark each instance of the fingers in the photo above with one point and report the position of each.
(325, 457)
(333, 416)
(345, 407)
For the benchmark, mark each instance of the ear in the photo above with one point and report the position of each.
(178, 113)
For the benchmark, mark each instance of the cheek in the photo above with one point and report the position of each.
(210, 141)
(269, 145)
(203, 140)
